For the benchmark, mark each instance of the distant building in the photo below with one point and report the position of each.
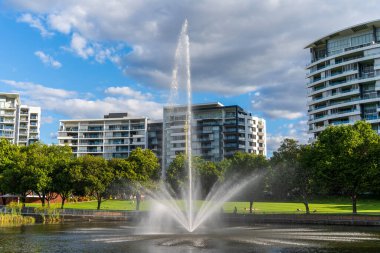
(20, 124)
(218, 131)
(114, 136)
(344, 78)
(155, 137)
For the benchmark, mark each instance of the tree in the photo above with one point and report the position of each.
(176, 174)
(43, 162)
(65, 180)
(124, 177)
(206, 174)
(346, 158)
(209, 174)
(18, 178)
(293, 171)
(8, 159)
(95, 176)
(245, 165)
(146, 166)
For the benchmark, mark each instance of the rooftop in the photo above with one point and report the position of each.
(345, 32)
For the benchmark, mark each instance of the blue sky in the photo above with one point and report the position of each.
(83, 59)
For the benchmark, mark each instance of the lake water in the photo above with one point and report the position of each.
(122, 237)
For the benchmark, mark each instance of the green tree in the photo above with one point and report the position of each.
(8, 159)
(209, 174)
(346, 159)
(18, 178)
(176, 174)
(125, 178)
(244, 165)
(95, 176)
(45, 162)
(292, 172)
(146, 166)
(65, 179)
(206, 174)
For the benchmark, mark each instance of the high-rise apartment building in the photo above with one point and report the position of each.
(344, 78)
(20, 124)
(218, 131)
(155, 137)
(114, 136)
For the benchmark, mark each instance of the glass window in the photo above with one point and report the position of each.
(361, 40)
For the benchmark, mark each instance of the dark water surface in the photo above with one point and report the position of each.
(121, 237)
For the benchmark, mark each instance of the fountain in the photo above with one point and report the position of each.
(169, 228)
(164, 207)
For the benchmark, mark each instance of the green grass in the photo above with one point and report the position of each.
(332, 206)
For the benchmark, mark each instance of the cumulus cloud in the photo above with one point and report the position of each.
(38, 91)
(236, 46)
(80, 47)
(127, 91)
(297, 131)
(48, 60)
(70, 104)
(36, 23)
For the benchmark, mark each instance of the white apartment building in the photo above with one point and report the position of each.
(114, 136)
(20, 124)
(218, 132)
(344, 78)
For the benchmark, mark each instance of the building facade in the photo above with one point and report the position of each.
(218, 132)
(344, 78)
(114, 136)
(155, 138)
(20, 124)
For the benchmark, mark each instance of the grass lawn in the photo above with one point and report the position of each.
(333, 206)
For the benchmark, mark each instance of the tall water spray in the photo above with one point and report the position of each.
(165, 208)
(182, 58)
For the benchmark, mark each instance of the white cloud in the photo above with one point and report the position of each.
(127, 91)
(48, 60)
(79, 46)
(296, 130)
(285, 114)
(36, 23)
(38, 91)
(73, 105)
(237, 46)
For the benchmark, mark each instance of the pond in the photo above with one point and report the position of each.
(124, 237)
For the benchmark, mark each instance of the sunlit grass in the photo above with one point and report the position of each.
(336, 206)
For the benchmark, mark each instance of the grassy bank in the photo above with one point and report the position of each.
(15, 220)
(334, 206)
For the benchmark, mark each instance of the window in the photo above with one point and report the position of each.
(337, 46)
(361, 40)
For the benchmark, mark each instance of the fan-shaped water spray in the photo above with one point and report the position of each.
(165, 209)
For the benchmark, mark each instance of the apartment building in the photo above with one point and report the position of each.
(218, 131)
(114, 136)
(344, 78)
(155, 137)
(20, 124)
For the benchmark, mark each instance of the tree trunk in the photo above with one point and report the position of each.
(250, 206)
(99, 202)
(63, 202)
(307, 207)
(43, 199)
(48, 201)
(354, 209)
(23, 199)
(138, 198)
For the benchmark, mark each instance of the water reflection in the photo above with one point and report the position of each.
(113, 237)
